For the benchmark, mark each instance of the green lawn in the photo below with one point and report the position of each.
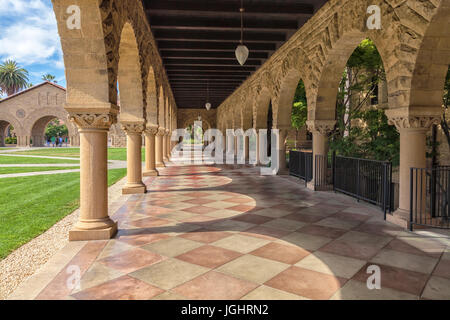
(24, 160)
(52, 152)
(9, 170)
(31, 205)
(113, 153)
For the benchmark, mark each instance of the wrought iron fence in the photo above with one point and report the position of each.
(430, 197)
(301, 165)
(367, 180)
(322, 177)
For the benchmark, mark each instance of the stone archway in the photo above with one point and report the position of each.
(36, 123)
(7, 120)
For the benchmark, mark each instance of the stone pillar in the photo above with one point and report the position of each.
(246, 149)
(282, 150)
(413, 130)
(134, 158)
(150, 158)
(320, 130)
(159, 148)
(257, 147)
(168, 150)
(94, 222)
(164, 152)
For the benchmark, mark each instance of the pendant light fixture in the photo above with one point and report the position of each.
(241, 50)
(208, 104)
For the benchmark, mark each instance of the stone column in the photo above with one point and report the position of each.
(168, 149)
(159, 147)
(150, 158)
(94, 222)
(164, 152)
(320, 130)
(246, 148)
(134, 158)
(282, 150)
(257, 147)
(413, 130)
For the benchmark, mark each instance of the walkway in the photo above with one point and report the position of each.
(112, 164)
(228, 233)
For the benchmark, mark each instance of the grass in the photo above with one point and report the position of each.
(31, 205)
(52, 152)
(25, 160)
(10, 170)
(113, 153)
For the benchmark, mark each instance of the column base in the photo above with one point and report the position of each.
(160, 165)
(97, 234)
(150, 173)
(139, 189)
(400, 217)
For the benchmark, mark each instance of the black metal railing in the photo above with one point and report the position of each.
(430, 197)
(301, 165)
(367, 180)
(322, 166)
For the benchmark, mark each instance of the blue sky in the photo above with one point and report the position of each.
(29, 35)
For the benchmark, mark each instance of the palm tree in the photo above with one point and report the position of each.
(12, 77)
(49, 77)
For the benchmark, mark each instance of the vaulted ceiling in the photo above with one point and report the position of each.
(197, 40)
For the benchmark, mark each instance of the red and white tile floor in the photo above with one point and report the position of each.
(206, 232)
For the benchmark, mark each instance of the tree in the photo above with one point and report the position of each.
(49, 77)
(375, 139)
(55, 129)
(299, 109)
(12, 77)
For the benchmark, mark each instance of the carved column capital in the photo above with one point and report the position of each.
(167, 132)
(161, 132)
(151, 130)
(91, 120)
(133, 127)
(323, 127)
(414, 122)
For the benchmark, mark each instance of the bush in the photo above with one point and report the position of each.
(11, 140)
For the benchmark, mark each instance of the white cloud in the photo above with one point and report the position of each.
(29, 32)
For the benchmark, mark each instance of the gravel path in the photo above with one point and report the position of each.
(26, 260)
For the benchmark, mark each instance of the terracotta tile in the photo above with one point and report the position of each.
(266, 233)
(131, 260)
(322, 231)
(281, 253)
(241, 208)
(252, 218)
(197, 194)
(357, 245)
(303, 217)
(306, 283)
(351, 216)
(396, 278)
(379, 228)
(443, 269)
(215, 286)
(205, 235)
(141, 239)
(199, 209)
(417, 245)
(209, 256)
(149, 222)
(57, 288)
(199, 201)
(123, 288)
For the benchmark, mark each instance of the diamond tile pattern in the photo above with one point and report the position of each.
(225, 232)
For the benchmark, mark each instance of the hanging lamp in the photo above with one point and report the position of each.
(208, 104)
(241, 50)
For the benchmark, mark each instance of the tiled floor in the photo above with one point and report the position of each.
(222, 233)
